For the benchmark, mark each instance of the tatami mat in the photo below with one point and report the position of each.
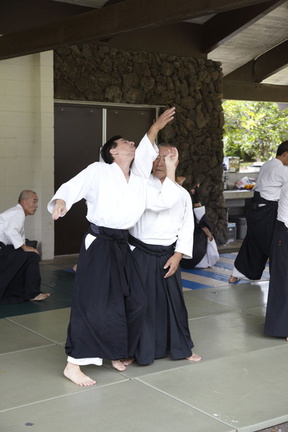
(239, 385)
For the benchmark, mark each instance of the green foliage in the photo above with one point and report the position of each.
(253, 130)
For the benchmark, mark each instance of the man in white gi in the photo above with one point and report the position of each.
(20, 278)
(261, 217)
(159, 240)
(276, 322)
(108, 300)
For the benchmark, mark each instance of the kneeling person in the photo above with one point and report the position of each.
(20, 278)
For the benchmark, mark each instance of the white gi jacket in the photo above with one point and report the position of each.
(12, 226)
(272, 176)
(175, 224)
(111, 200)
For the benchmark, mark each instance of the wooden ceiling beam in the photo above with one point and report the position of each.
(242, 90)
(224, 26)
(267, 64)
(271, 62)
(103, 23)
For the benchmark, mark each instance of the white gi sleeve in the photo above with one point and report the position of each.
(159, 200)
(145, 154)
(74, 189)
(184, 243)
(14, 229)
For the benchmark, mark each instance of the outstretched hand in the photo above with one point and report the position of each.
(166, 117)
(59, 209)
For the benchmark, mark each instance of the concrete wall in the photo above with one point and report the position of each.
(27, 141)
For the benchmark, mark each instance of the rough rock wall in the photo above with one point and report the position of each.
(193, 86)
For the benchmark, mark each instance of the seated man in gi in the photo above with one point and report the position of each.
(20, 278)
(108, 300)
(205, 251)
(159, 241)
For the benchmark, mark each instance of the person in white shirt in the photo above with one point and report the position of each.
(20, 278)
(108, 302)
(276, 321)
(261, 217)
(159, 240)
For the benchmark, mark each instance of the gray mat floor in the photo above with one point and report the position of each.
(239, 385)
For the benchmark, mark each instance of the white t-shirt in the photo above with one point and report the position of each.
(272, 176)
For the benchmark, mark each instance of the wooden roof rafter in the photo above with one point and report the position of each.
(265, 65)
(105, 22)
(224, 26)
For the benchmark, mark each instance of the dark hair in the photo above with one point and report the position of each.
(105, 150)
(282, 148)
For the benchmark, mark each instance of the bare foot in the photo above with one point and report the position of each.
(117, 364)
(287, 339)
(194, 357)
(74, 374)
(233, 279)
(40, 297)
(128, 362)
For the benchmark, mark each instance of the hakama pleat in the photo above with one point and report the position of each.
(165, 327)
(20, 278)
(108, 302)
(255, 249)
(276, 322)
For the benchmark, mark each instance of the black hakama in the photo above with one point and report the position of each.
(108, 302)
(276, 322)
(165, 327)
(20, 278)
(199, 244)
(255, 249)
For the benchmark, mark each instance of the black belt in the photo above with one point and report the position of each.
(157, 250)
(122, 252)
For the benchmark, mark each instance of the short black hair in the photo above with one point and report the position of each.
(282, 148)
(105, 150)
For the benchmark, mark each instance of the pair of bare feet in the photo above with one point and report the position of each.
(40, 297)
(120, 365)
(74, 373)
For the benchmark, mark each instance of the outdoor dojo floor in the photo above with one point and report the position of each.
(239, 385)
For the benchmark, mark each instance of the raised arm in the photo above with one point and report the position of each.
(145, 152)
(160, 123)
(171, 161)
